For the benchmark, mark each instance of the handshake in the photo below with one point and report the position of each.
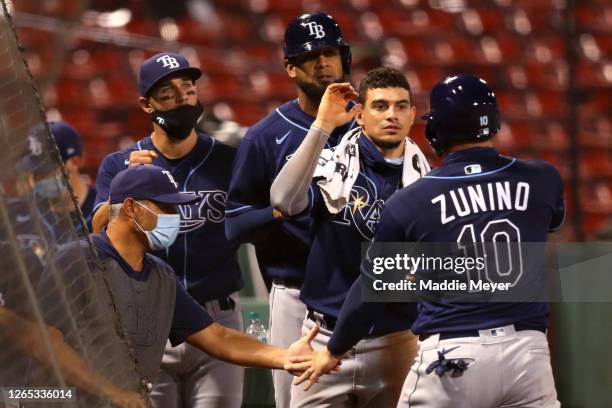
(308, 365)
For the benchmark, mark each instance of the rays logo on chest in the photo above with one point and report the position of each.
(362, 212)
(211, 208)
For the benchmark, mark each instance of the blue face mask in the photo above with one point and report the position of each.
(165, 232)
(49, 188)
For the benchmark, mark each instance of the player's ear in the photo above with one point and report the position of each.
(359, 115)
(290, 68)
(128, 207)
(145, 104)
(73, 163)
(412, 114)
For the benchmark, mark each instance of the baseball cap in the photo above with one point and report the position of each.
(67, 139)
(148, 182)
(160, 66)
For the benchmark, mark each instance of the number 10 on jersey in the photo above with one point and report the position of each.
(499, 244)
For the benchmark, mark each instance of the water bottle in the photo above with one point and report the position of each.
(256, 328)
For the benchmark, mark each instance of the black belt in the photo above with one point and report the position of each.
(473, 333)
(293, 283)
(324, 321)
(225, 303)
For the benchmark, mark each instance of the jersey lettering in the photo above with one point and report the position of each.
(210, 208)
(472, 199)
(362, 212)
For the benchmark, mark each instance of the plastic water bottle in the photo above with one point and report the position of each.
(256, 328)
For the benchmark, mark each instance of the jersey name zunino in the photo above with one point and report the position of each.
(498, 196)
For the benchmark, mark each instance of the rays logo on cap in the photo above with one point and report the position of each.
(168, 61)
(34, 146)
(315, 29)
(167, 173)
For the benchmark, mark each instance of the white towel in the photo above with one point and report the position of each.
(338, 169)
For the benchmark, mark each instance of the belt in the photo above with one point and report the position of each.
(324, 321)
(293, 283)
(472, 333)
(225, 303)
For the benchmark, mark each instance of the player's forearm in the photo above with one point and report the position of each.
(250, 226)
(354, 322)
(29, 338)
(289, 192)
(235, 347)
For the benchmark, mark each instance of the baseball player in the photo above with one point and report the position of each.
(203, 258)
(353, 182)
(316, 55)
(470, 354)
(70, 148)
(152, 305)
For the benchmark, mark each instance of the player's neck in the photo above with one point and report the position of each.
(128, 243)
(389, 152)
(172, 148)
(463, 146)
(79, 186)
(305, 104)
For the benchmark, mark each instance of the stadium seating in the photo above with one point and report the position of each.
(520, 47)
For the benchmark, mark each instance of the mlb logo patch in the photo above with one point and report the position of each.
(473, 169)
(498, 332)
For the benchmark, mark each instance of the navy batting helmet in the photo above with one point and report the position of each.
(312, 31)
(462, 109)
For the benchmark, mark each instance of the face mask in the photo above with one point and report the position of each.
(49, 187)
(165, 232)
(178, 122)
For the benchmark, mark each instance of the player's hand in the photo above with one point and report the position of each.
(300, 354)
(276, 214)
(141, 157)
(100, 217)
(127, 399)
(324, 363)
(332, 109)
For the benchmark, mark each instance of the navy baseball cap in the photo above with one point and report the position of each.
(148, 182)
(67, 139)
(160, 66)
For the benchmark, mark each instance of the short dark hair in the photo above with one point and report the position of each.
(383, 78)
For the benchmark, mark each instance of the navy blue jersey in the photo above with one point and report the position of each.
(334, 258)
(281, 246)
(475, 194)
(202, 257)
(188, 318)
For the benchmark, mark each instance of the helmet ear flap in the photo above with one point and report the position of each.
(431, 133)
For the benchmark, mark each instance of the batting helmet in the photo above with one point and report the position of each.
(462, 109)
(312, 31)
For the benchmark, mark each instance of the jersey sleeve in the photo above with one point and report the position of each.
(248, 209)
(354, 322)
(250, 183)
(558, 205)
(189, 317)
(107, 171)
(356, 317)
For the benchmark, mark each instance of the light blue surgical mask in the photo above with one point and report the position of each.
(50, 187)
(165, 232)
